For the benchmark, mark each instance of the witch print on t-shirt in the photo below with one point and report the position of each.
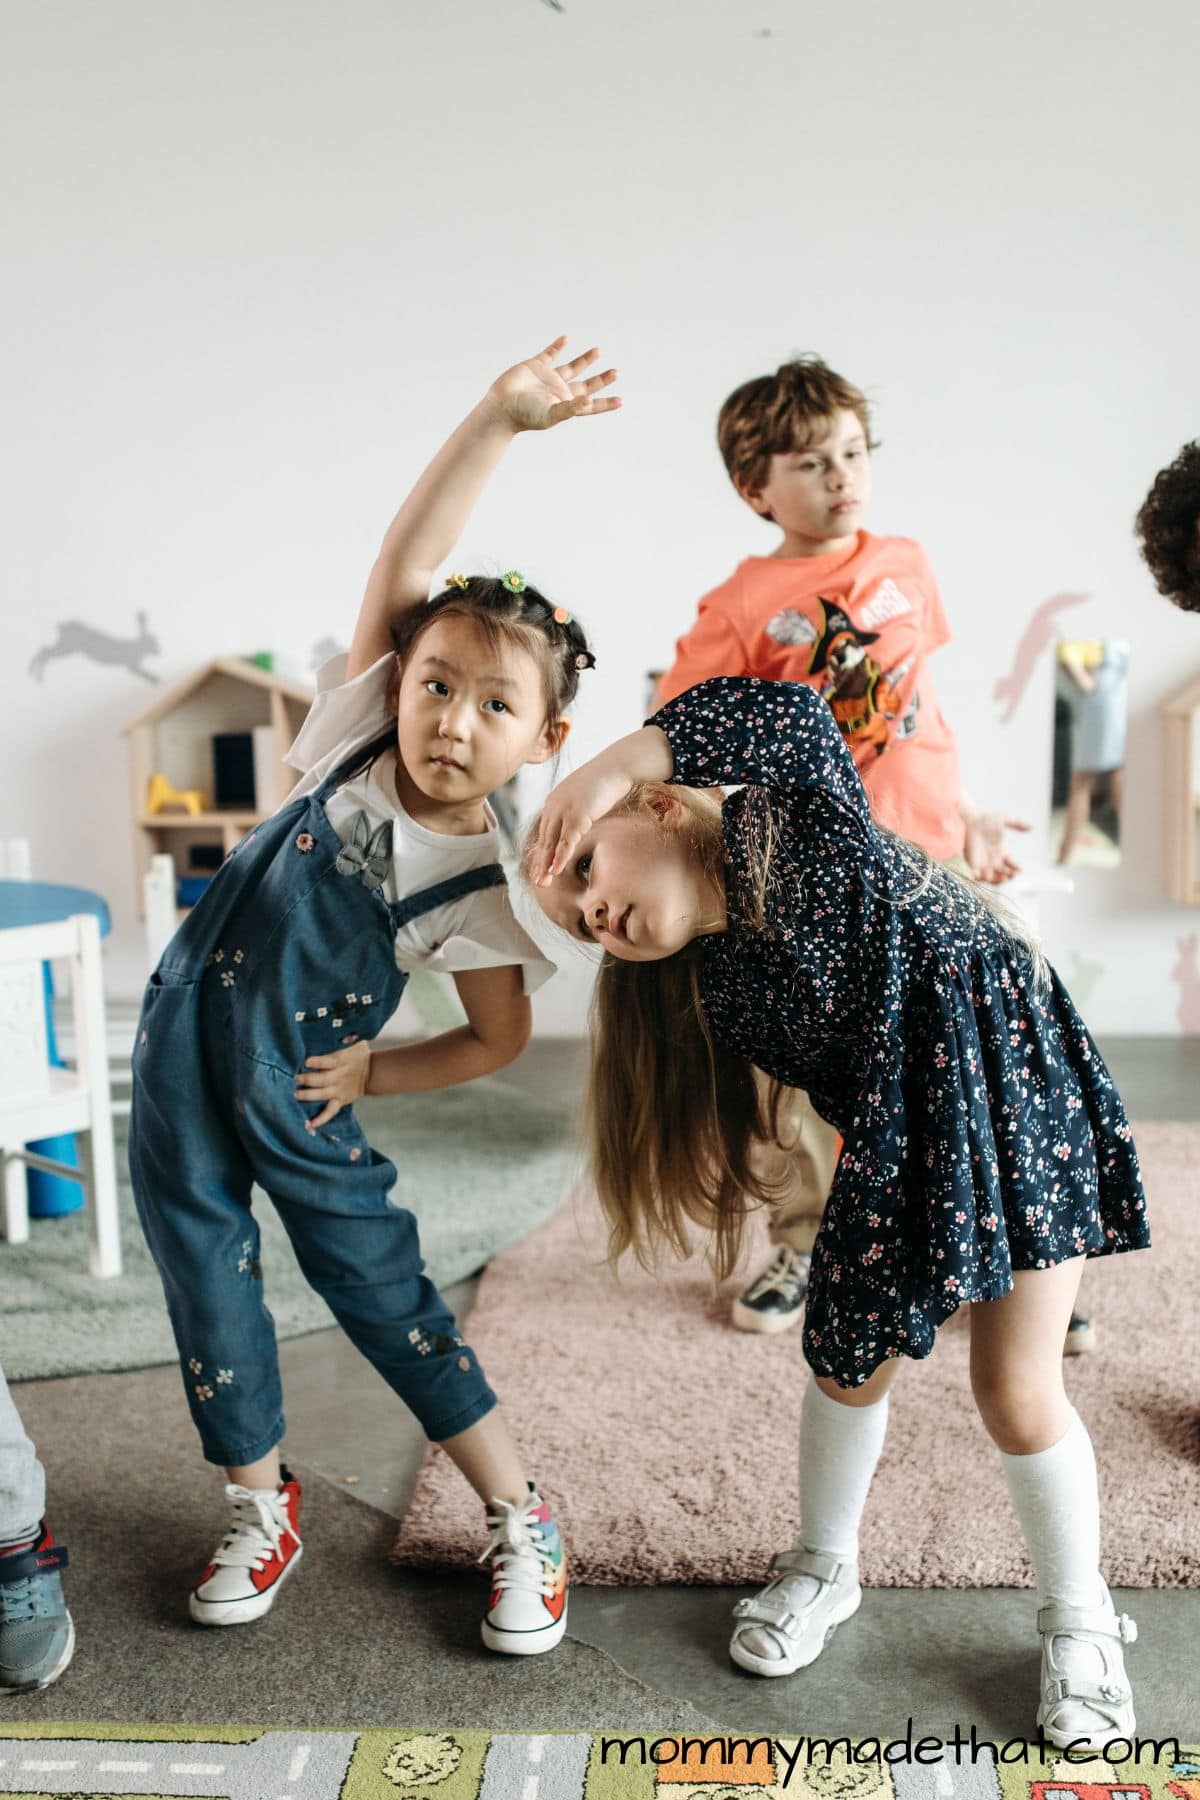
(866, 699)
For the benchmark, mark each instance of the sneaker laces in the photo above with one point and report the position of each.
(516, 1548)
(787, 1275)
(260, 1524)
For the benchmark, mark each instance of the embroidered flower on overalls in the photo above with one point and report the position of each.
(228, 978)
(218, 956)
(351, 1037)
(203, 1391)
(195, 1365)
(142, 1038)
(351, 999)
(355, 1154)
(464, 1363)
(368, 855)
(322, 1012)
(224, 1377)
(306, 842)
(300, 1018)
(417, 1336)
(239, 956)
(337, 1024)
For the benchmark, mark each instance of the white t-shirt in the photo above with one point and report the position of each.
(476, 932)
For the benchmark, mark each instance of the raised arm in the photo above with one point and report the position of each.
(531, 396)
(731, 730)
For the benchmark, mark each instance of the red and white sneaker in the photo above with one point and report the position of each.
(259, 1553)
(527, 1611)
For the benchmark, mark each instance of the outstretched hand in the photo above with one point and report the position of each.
(987, 855)
(534, 394)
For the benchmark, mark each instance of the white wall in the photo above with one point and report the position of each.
(263, 255)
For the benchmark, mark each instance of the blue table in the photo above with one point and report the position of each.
(46, 903)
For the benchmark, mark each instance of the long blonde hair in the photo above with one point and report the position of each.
(672, 1118)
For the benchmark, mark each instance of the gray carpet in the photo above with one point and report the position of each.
(480, 1165)
(350, 1640)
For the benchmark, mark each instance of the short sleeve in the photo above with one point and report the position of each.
(343, 717)
(489, 937)
(711, 647)
(771, 734)
(937, 627)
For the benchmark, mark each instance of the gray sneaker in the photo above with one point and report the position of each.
(774, 1301)
(37, 1637)
(787, 1625)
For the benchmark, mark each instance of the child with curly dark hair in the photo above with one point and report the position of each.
(1169, 528)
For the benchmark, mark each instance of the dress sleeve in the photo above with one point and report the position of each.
(771, 734)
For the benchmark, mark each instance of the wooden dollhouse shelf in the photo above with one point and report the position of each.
(175, 738)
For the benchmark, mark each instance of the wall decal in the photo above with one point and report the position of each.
(1187, 973)
(1035, 638)
(77, 639)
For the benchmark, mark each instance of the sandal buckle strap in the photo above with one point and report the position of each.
(817, 1563)
(1104, 1623)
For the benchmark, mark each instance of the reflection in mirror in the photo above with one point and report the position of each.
(1091, 690)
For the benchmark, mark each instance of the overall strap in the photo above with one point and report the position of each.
(471, 881)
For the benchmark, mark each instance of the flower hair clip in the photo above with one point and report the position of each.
(584, 660)
(514, 581)
(461, 582)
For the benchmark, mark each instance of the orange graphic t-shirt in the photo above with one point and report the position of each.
(858, 624)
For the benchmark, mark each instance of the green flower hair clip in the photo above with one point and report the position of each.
(514, 581)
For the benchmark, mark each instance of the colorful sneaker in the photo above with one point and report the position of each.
(775, 1301)
(259, 1553)
(527, 1612)
(1081, 1336)
(37, 1636)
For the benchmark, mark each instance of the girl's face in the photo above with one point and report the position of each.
(637, 886)
(470, 713)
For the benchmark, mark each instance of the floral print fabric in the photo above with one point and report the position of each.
(982, 1132)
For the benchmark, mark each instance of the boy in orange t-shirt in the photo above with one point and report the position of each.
(857, 617)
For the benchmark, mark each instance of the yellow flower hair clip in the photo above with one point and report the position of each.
(461, 582)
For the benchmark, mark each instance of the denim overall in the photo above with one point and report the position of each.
(290, 954)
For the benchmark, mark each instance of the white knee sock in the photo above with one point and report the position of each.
(839, 1448)
(1058, 1507)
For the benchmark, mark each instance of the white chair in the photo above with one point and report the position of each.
(37, 1101)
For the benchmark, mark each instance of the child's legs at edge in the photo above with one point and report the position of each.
(802, 1161)
(191, 1181)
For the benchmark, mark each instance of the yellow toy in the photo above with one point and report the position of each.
(162, 795)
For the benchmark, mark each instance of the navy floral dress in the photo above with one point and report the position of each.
(982, 1132)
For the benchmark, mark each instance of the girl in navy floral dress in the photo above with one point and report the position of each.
(986, 1151)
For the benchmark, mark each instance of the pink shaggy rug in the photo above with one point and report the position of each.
(667, 1441)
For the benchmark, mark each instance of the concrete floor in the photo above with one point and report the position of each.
(939, 1658)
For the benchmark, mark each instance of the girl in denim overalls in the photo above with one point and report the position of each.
(255, 1034)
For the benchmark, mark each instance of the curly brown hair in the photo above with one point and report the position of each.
(1169, 528)
(781, 412)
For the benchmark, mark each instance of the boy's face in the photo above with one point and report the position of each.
(817, 495)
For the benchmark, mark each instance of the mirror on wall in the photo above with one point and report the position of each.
(1091, 694)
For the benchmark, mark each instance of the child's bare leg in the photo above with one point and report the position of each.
(873, 1389)
(1016, 1358)
(487, 1456)
(265, 1473)
(1079, 811)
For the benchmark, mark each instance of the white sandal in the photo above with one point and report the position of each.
(1076, 1711)
(799, 1632)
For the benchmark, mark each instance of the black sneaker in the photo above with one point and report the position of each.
(775, 1300)
(1081, 1336)
(37, 1637)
